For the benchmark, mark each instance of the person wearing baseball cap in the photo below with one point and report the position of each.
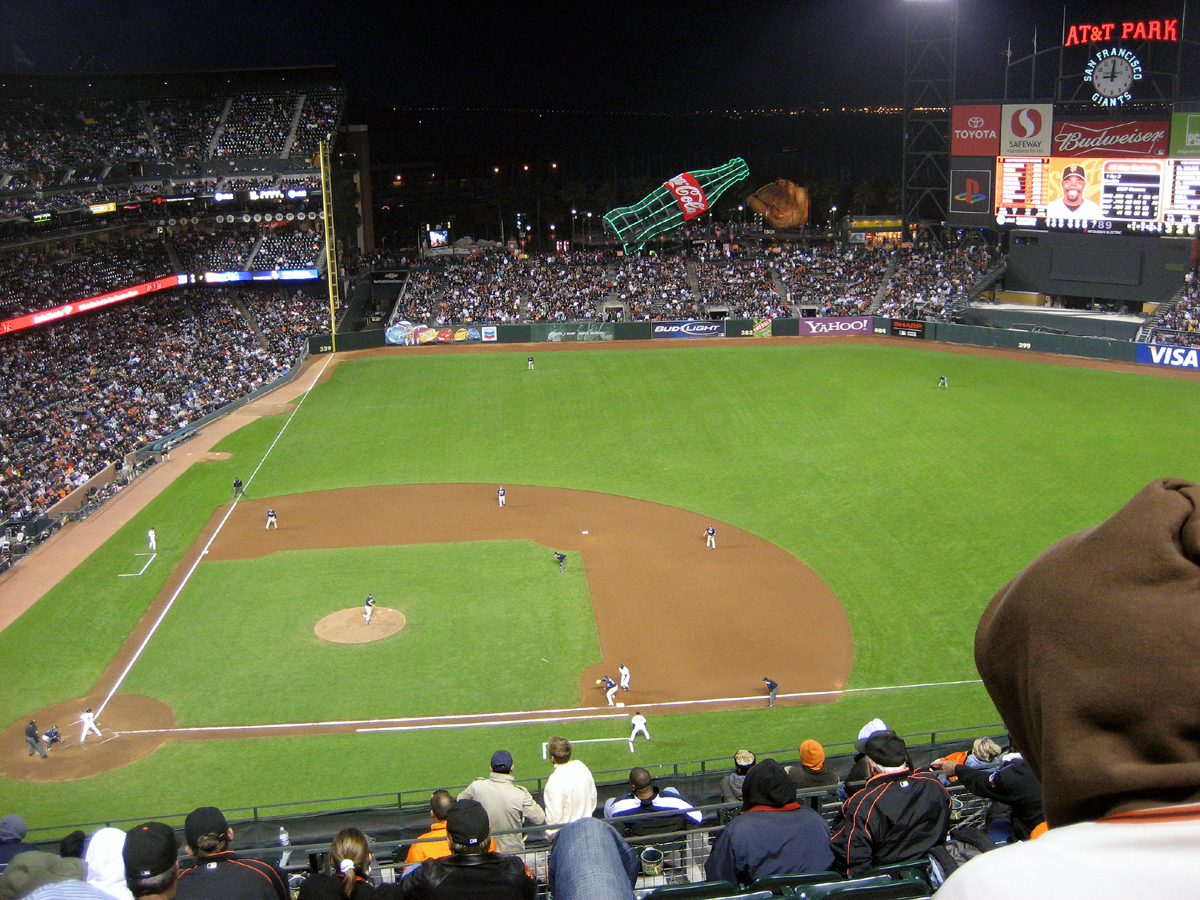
(151, 855)
(1072, 204)
(218, 871)
(470, 869)
(509, 805)
(899, 814)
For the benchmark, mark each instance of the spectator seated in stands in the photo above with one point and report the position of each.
(434, 843)
(218, 871)
(151, 855)
(590, 861)
(859, 769)
(731, 784)
(350, 859)
(509, 805)
(640, 810)
(1089, 654)
(105, 863)
(470, 870)
(812, 771)
(774, 835)
(899, 814)
(32, 870)
(12, 838)
(1013, 789)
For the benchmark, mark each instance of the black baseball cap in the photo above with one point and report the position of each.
(202, 821)
(150, 849)
(467, 823)
(885, 747)
(1077, 171)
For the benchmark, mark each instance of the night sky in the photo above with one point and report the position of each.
(620, 55)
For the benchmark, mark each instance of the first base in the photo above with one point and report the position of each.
(621, 705)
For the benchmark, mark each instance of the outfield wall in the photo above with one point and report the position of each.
(758, 329)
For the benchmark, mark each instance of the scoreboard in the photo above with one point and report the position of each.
(1121, 195)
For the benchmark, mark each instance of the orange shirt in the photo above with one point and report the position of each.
(430, 847)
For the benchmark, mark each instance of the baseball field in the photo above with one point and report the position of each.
(864, 517)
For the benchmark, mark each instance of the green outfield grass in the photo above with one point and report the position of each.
(914, 504)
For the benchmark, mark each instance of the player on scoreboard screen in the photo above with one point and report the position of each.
(1072, 204)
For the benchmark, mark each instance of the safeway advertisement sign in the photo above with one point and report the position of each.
(1112, 139)
(975, 131)
(1026, 129)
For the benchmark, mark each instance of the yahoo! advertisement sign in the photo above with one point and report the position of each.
(688, 329)
(842, 325)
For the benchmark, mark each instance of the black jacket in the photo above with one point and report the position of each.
(470, 876)
(224, 876)
(895, 817)
(1013, 784)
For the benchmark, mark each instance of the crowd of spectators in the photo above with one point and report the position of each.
(222, 251)
(836, 280)
(50, 275)
(289, 248)
(256, 125)
(79, 395)
(490, 288)
(1180, 324)
(567, 288)
(744, 288)
(654, 287)
(929, 283)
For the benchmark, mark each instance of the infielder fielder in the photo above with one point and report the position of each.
(272, 522)
(500, 496)
(152, 539)
(562, 561)
(368, 608)
(610, 690)
(89, 724)
(943, 382)
(639, 724)
(710, 537)
(624, 672)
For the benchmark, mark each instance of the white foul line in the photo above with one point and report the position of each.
(204, 552)
(493, 719)
(142, 569)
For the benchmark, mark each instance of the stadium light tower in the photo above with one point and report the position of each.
(930, 71)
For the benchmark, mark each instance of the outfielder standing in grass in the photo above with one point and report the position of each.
(562, 561)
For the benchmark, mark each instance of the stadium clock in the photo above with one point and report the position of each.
(1112, 73)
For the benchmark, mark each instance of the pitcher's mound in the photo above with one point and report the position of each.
(346, 626)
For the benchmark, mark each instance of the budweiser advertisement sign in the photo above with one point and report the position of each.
(1112, 139)
(975, 131)
(688, 194)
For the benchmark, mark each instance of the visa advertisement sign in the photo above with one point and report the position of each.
(1176, 357)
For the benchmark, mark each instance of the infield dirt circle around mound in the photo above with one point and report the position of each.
(347, 626)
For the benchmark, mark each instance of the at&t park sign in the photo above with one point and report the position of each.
(1103, 32)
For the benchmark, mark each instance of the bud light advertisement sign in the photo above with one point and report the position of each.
(688, 329)
(843, 325)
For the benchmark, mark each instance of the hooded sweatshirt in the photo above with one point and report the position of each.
(105, 865)
(1090, 656)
